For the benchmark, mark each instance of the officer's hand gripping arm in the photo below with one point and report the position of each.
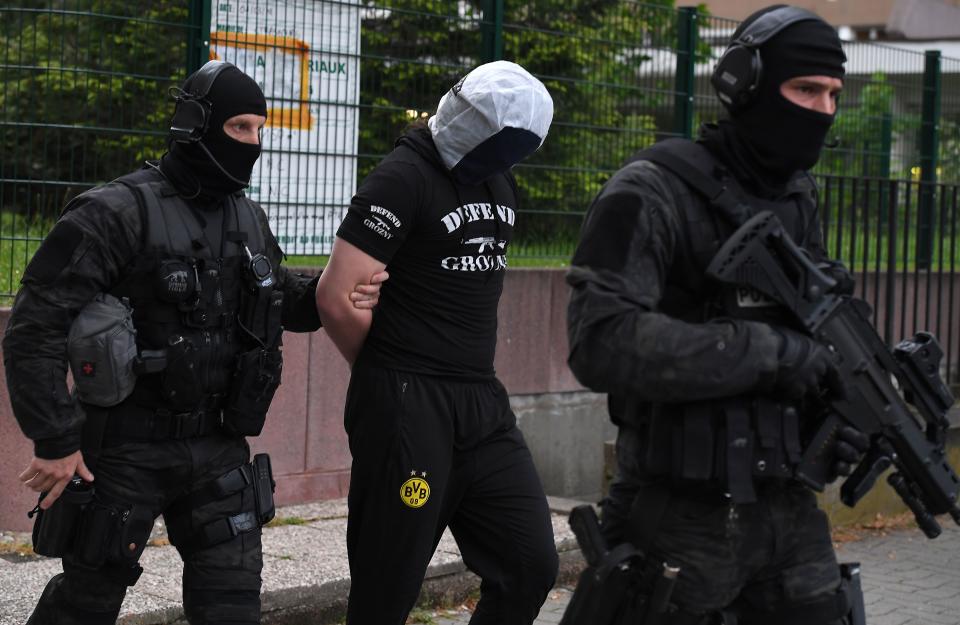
(346, 323)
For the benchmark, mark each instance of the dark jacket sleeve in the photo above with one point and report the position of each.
(299, 312)
(83, 255)
(620, 342)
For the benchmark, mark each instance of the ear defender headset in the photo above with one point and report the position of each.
(191, 117)
(737, 74)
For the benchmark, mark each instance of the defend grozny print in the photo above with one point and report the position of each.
(475, 212)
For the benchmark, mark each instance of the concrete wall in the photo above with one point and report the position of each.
(565, 426)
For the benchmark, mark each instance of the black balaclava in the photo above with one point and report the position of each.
(772, 137)
(189, 166)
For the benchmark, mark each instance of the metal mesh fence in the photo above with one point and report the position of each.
(950, 120)
(83, 99)
(610, 72)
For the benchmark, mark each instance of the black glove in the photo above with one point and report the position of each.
(849, 449)
(836, 270)
(805, 367)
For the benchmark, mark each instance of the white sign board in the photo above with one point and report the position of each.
(305, 56)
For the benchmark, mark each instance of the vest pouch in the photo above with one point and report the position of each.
(98, 525)
(102, 347)
(260, 314)
(55, 529)
(183, 382)
(254, 383)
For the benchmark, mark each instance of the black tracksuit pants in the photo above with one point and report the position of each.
(429, 453)
(221, 584)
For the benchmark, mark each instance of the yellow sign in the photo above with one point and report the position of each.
(415, 492)
(293, 85)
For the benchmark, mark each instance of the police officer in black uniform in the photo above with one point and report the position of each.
(179, 244)
(708, 383)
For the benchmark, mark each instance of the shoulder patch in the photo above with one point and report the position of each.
(54, 254)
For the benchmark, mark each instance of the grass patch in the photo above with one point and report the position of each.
(24, 550)
(288, 520)
(424, 617)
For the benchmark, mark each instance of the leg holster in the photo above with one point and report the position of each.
(94, 534)
(255, 481)
(619, 585)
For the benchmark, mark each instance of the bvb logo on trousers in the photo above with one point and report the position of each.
(415, 492)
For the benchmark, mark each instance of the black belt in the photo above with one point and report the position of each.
(136, 423)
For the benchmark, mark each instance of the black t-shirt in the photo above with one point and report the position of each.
(445, 246)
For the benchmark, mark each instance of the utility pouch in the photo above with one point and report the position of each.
(263, 487)
(133, 534)
(254, 383)
(55, 529)
(182, 383)
(102, 346)
(260, 313)
(98, 525)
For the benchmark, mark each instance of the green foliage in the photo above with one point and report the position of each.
(588, 53)
(865, 132)
(87, 91)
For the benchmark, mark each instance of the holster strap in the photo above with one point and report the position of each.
(221, 530)
(231, 482)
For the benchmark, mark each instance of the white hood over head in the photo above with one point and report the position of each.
(496, 116)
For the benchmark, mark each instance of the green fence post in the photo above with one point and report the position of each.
(198, 37)
(684, 80)
(929, 148)
(491, 28)
(886, 147)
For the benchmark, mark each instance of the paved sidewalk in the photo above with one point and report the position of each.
(305, 573)
(908, 580)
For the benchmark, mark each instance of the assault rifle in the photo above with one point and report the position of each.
(761, 255)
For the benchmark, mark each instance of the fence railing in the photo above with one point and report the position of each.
(874, 226)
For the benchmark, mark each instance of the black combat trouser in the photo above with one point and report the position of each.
(755, 560)
(221, 584)
(430, 453)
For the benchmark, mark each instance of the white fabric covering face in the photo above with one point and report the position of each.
(490, 98)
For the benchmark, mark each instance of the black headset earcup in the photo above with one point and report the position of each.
(189, 121)
(192, 111)
(737, 76)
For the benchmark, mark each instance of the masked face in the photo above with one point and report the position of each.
(788, 135)
(222, 161)
(491, 120)
(789, 118)
(236, 146)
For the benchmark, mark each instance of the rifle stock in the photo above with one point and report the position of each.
(762, 255)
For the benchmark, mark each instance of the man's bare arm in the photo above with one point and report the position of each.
(348, 268)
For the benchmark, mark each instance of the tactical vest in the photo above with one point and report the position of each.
(732, 442)
(196, 311)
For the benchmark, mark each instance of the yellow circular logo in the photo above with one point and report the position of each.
(415, 492)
